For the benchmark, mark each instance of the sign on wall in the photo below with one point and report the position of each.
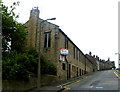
(62, 58)
(63, 51)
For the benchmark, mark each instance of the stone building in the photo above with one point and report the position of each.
(98, 63)
(51, 42)
(93, 60)
(110, 64)
(106, 65)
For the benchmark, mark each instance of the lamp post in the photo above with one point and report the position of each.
(39, 53)
(118, 59)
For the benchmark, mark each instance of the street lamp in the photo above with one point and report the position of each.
(39, 52)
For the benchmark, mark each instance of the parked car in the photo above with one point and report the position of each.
(118, 69)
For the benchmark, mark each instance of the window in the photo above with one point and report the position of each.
(77, 54)
(73, 68)
(47, 40)
(66, 43)
(63, 66)
(74, 51)
(80, 72)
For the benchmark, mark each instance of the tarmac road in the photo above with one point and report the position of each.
(102, 81)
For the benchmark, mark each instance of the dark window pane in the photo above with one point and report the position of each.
(63, 66)
(74, 51)
(45, 41)
(66, 43)
(76, 54)
(49, 39)
(79, 56)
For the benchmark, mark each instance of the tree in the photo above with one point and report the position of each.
(13, 33)
(13, 39)
(18, 64)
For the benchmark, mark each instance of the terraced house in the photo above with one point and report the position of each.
(56, 47)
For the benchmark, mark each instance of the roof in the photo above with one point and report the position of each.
(70, 41)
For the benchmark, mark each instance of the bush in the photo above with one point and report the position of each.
(47, 67)
(18, 72)
(18, 66)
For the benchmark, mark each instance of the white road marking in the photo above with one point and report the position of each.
(91, 86)
(99, 87)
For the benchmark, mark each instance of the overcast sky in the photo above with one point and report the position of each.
(91, 24)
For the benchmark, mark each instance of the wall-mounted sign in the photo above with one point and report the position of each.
(63, 51)
(62, 58)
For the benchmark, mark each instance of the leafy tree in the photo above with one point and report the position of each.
(18, 64)
(13, 39)
(14, 34)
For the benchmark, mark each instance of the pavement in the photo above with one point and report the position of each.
(48, 89)
(60, 86)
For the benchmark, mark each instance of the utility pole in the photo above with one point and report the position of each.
(118, 59)
(39, 53)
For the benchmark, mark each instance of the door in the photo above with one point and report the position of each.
(68, 71)
(77, 71)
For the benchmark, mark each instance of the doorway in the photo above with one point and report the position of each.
(68, 71)
(77, 72)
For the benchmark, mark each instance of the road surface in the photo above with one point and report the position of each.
(102, 81)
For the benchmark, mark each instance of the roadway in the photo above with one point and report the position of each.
(102, 81)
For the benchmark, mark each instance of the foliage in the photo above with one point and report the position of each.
(18, 66)
(47, 67)
(113, 67)
(14, 34)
